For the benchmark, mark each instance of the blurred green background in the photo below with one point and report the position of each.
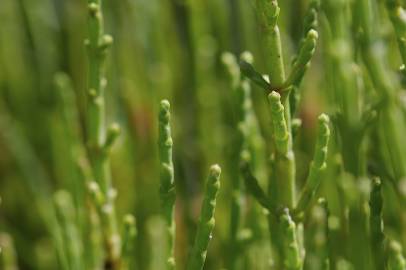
(162, 49)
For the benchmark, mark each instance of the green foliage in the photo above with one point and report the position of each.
(103, 146)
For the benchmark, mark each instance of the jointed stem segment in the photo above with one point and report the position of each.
(167, 189)
(317, 166)
(206, 220)
(397, 15)
(97, 144)
(284, 163)
(291, 252)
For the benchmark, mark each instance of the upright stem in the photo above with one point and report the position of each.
(284, 156)
(283, 164)
(167, 189)
(376, 225)
(206, 221)
(392, 120)
(97, 141)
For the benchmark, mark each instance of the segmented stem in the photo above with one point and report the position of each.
(391, 118)
(397, 15)
(311, 17)
(206, 220)
(291, 251)
(98, 142)
(303, 59)
(65, 212)
(167, 188)
(284, 165)
(317, 166)
(268, 12)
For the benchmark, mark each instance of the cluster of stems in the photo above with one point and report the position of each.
(206, 222)
(281, 199)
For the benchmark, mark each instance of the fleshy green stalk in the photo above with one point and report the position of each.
(97, 45)
(317, 166)
(376, 225)
(310, 23)
(391, 119)
(167, 188)
(268, 12)
(396, 261)
(65, 213)
(129, 235)
(311, 17)
(97, 144)
(397, 15)
(291, 252)
(240, 94)
(303, 60)
(284, 163)
(325, 256)
(206, 221)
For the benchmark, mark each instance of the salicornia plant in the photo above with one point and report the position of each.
(302, 102)
(98, 141)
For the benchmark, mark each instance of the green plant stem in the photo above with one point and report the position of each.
(284, 161)
(376, 225)
(284, 157)
(128, 238)
(391, 120)
(323, 223)
(302, 62)
(65, 213)
(396, 260)
(253, 186)
(98, 142)
(292, 257)
(317, 166)
(240, 95)
(397, 15)
(167, 188)
(206, 220)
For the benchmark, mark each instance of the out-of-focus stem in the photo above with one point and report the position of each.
(376, 225)
(98, 141)
(167, 189)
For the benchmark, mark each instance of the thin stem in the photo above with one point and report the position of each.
(397, 15)
(65, 213)
(317, 166)
(127, 248)
(376, 225)
(206, 221)
(284, 164)
(167, 188)
(291, 252)
(97, 44)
